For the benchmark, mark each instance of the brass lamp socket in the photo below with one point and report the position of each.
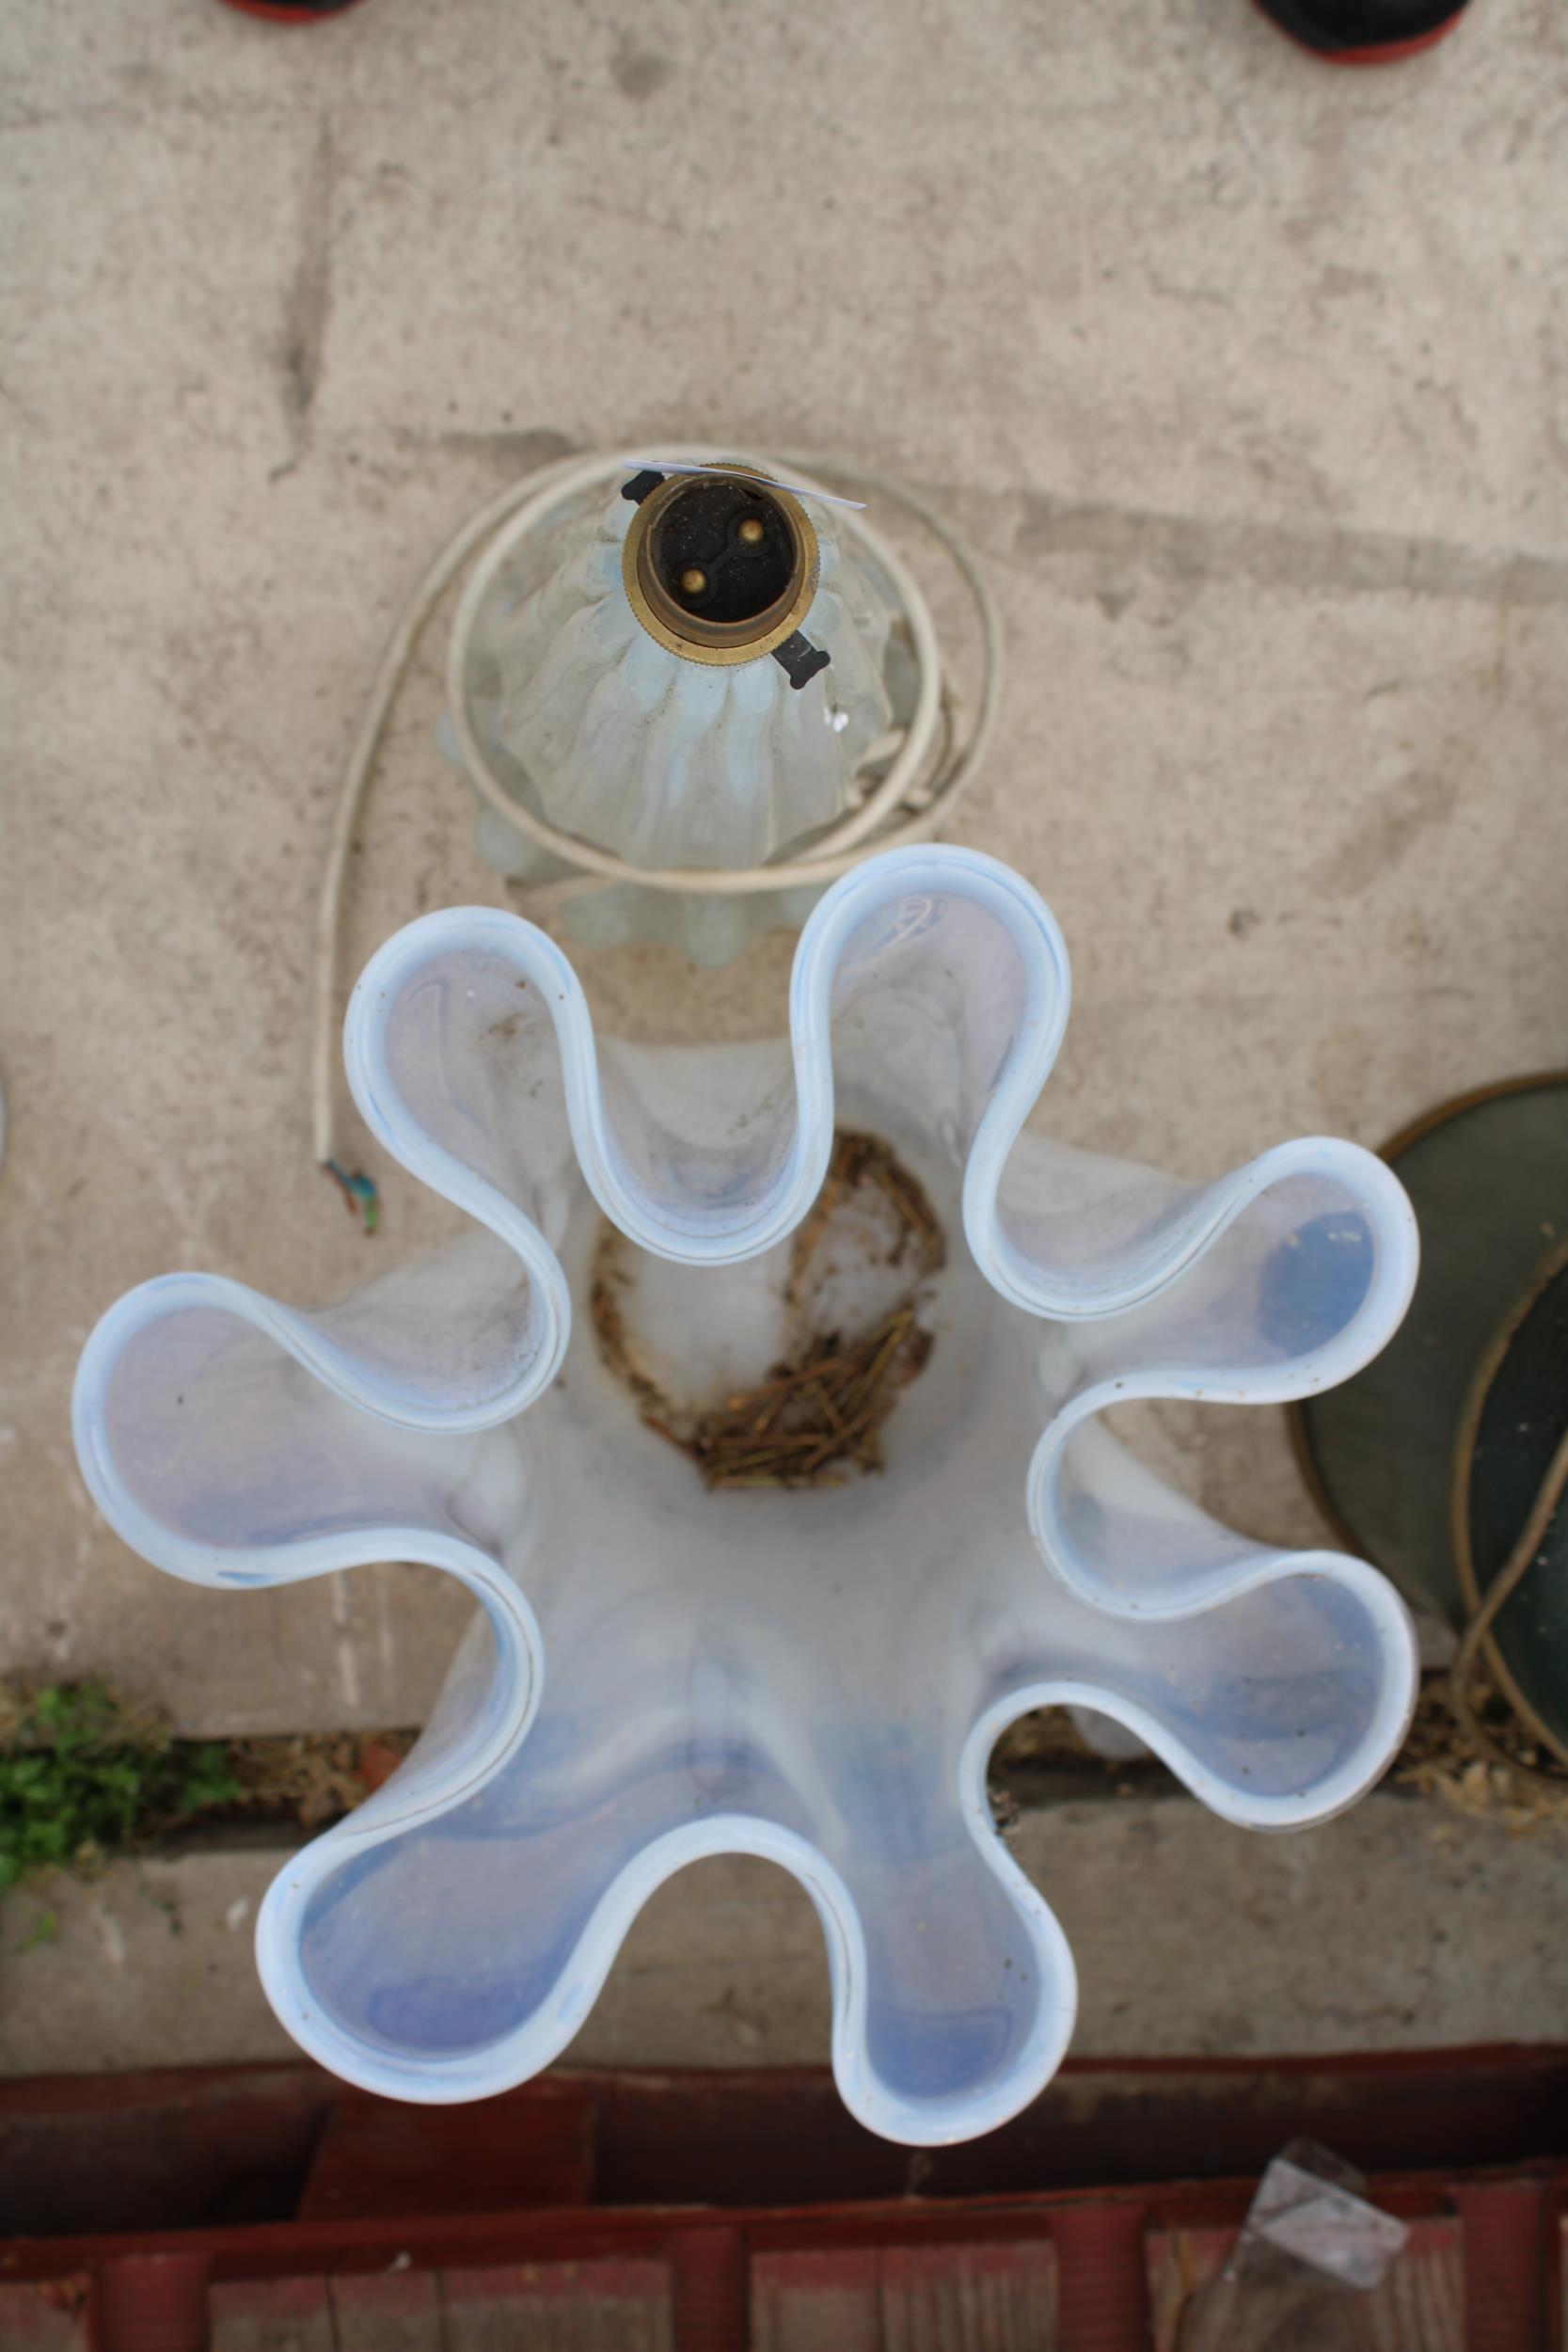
(720, 566)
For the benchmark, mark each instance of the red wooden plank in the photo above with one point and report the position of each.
(393, 2311)
(384, 2156)
(1103, 2294)
(158, 2151)
(969, 2299)
(802, 2302)
(171, 2148)
(1505, 2263)
(782, 2136)
(947, 2297)
(712, 2291)
(100, 2098)
(272, 2315)
(51, 2316)
(584, 2233)
(558, 2306)
(152, 2303)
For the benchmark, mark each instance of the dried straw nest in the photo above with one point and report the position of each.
(819, 1412)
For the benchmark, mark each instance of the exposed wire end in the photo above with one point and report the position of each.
(361, 1197)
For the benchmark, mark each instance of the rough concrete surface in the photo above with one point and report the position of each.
(1248, 379)
(1390, 1928)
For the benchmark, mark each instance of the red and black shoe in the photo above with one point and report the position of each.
(291, 11)
(1365, 32)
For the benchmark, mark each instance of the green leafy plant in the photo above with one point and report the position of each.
(84, 1776)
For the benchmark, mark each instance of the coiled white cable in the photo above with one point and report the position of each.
(905, 805)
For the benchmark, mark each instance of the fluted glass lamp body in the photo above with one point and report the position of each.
(667, 757)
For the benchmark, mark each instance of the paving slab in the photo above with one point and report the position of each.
(1249, 381)
(1401, 1926)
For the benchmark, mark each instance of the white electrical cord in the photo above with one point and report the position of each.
(901, 793)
